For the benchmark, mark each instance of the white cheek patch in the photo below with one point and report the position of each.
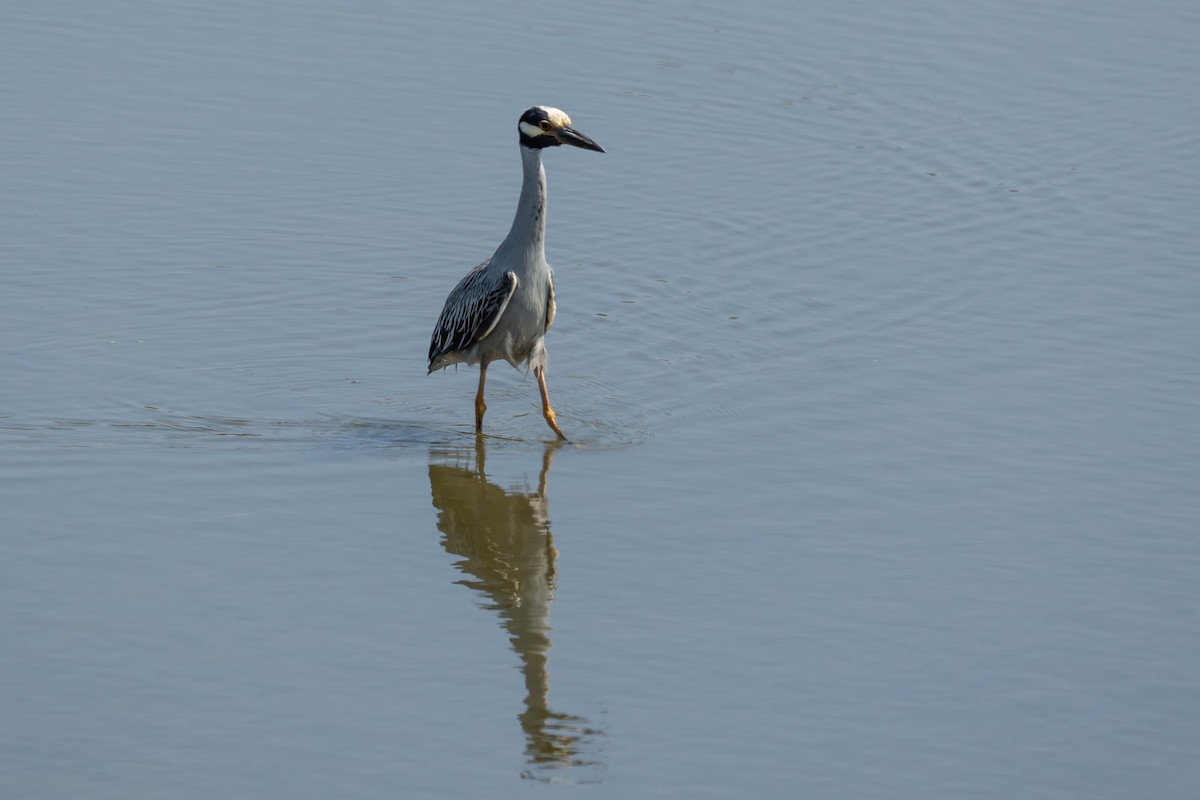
(532, 131)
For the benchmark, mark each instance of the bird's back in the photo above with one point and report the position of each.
(497, 311)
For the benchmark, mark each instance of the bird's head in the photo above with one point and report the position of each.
(543, 126)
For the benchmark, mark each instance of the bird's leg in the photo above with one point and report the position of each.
(547, 411)
(480, 406)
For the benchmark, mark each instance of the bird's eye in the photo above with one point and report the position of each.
(545, 126)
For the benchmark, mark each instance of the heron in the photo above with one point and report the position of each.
(502, 309)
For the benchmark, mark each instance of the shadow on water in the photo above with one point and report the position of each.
(177, 430)
(508, 557)
(161, 427)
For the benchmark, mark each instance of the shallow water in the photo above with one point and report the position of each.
(876, 346)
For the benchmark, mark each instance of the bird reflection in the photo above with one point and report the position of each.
(508, 557)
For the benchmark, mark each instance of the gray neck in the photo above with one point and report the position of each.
(526, 239)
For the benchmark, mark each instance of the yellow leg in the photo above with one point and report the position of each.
(547, 411)
(480, 406)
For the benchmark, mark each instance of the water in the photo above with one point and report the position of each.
(876, 343)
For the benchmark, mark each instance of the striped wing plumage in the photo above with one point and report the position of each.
(472, 310)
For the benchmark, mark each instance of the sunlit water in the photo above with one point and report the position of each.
(876, 346)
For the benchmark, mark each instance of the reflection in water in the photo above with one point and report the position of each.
(508, 557)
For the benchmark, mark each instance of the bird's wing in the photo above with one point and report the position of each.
(551, 306)
(472, 310)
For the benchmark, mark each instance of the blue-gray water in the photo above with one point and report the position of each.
(877, 344)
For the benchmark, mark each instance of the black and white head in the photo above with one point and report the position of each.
(544, 126)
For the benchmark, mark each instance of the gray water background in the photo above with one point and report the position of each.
(877, 344)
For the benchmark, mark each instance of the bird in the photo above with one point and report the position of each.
(502, 309)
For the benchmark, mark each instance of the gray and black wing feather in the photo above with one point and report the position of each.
(472, 310)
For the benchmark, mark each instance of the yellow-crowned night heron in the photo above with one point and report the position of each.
(503, 308)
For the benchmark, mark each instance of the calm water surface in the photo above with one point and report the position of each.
(877, 344)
